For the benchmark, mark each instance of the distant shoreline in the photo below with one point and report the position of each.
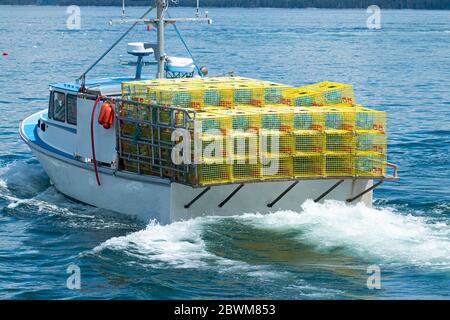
(282, 4)
(218, 7)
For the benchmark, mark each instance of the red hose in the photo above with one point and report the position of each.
(92, 139)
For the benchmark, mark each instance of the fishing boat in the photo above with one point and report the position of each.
(107, 144)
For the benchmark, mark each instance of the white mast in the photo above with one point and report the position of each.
(159, 23)
(161, 7)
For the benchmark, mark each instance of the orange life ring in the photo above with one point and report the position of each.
(106, 116)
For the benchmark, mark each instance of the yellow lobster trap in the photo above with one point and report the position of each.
(242, 134)
(240, 126)
(339, 165)
(370, 164)
(307, 119)
(308, 165)
(274, 142)
(334, 93)
(300, 97)
(370, 120)
(320, 94)
(340, 142)
(241, 120)
(208, 135)
(245, 168)
(182, 96)
(274, 166)
(371, 142)
(338, 120)
(309, 142)
(209, 172)
(138, 90)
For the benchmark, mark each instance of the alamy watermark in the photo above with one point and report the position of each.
(374, 279)
(237, 147)
(74, 280)
(73, 22)
(374, 20)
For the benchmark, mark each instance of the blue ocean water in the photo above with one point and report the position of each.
(318, 251)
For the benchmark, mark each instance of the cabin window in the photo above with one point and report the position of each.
(59, 106)
(50, 106)
(71, 109)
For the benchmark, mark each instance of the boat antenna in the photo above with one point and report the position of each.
(123, 8)
(159, 22)
(197, 14)
(82, 78)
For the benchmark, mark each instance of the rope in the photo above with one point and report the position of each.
(92, 140)
(82, 78)
(186, 47)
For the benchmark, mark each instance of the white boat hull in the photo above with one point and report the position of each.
(165, 201)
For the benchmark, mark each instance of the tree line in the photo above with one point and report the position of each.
(385, 4)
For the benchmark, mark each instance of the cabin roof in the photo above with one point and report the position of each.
(106, 86)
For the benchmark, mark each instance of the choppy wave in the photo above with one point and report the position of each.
(376, 235)
(182, 245)
(382, 235)
(179, 245)
(373, 235)
(25, 189)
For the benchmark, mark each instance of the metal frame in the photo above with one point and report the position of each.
(365, 191)
(337, 184)
(154, 22)
(270, 205)
(231, 195)
(190, 203)
(155, 159)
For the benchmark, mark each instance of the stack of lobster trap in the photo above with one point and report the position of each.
(242, 129)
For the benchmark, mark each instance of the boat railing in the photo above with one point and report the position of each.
(145, 138)
(394, 167)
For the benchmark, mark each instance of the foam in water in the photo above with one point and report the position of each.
(26, 184)
(376, 235)
(23, 178)
(25, 188)
(3, 184)
(441, 208)
(381, 235)
(178, 245)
